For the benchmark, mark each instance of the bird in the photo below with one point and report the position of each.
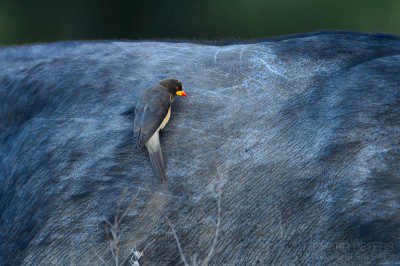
(152, 113)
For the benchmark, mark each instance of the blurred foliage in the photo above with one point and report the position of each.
(51, 20)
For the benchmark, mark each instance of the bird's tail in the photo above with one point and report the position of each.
(154, 148)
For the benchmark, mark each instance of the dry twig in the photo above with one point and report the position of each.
(194, 260)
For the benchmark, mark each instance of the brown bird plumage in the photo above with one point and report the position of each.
(152, 113)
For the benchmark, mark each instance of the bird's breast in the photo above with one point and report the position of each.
(166, 119)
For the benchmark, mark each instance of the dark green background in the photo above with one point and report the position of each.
(52, 20)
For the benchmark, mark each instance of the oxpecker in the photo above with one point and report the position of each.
(152, 113)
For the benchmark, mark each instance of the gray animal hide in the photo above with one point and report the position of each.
(300, 132)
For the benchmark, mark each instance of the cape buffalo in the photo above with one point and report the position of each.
(285, 151)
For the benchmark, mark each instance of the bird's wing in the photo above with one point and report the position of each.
(150, 111)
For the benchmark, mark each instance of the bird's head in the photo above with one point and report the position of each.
(174, 86)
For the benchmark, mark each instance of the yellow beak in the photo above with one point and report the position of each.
(181, 93)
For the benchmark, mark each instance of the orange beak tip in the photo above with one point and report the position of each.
(184, 94)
